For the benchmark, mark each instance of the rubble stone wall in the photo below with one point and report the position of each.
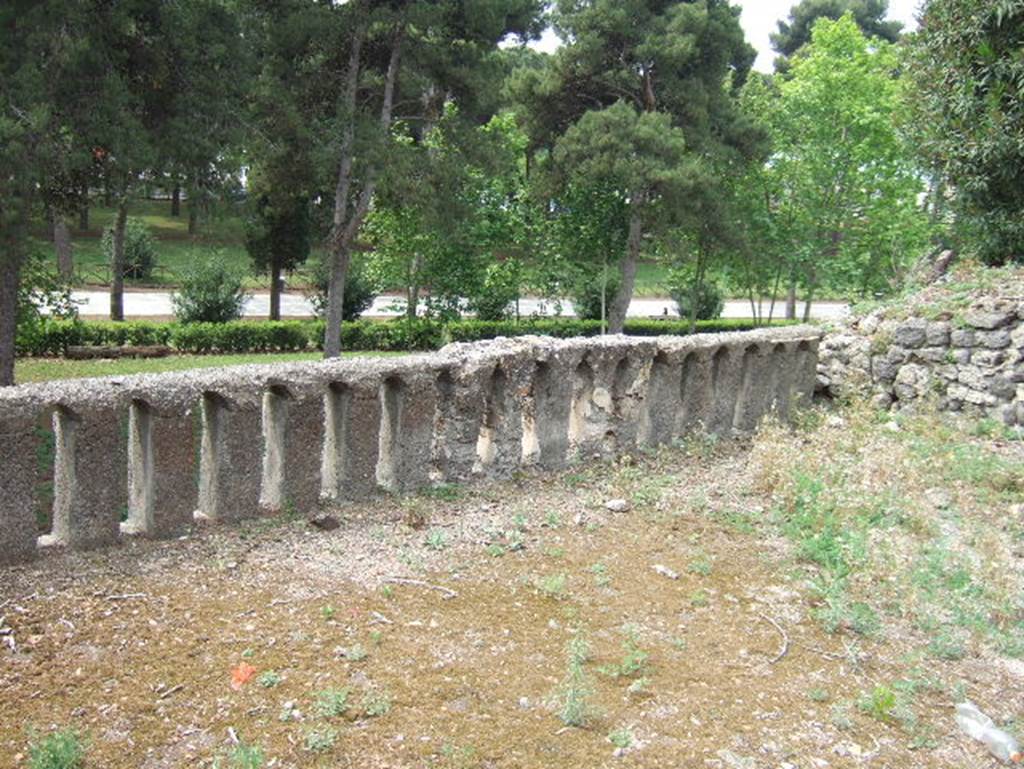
(148, 455)
(972, 364)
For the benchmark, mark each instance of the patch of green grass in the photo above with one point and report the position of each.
(621, 738)
(699, 599)
(331, 703)
(634, 661)
(28, 370)
(241, 756)
(375, 703)
(436, 540)
(320, 739)
(553, 586)
(701, 565)
(268, 679)
(572, 698)
(448, 492)
(64, 749)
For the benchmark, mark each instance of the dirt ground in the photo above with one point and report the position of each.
(707, 647)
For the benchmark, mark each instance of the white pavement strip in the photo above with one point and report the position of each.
(296, 305)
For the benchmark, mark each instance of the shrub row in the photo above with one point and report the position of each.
(53, 337)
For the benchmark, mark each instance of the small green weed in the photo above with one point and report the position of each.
(699, 599)
(375, 702)
(320, 739)
(701, 564)
(634, 663)
(331, 703)
(356, 653)
(879, 704)
(572, 699)
(268, 679)
(64, 749)
(818, 694)
(328, 612)
(436, 540)
(553, 586)
(621, 738)
(241, 756)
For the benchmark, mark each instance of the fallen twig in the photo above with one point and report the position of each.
(169, 692)
(232, 735)
(126, 596)
(446, 592)
(381, 618)
(785, 639)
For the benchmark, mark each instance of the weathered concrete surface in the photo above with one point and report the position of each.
(274, 436)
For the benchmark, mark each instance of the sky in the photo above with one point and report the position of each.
(760, 18)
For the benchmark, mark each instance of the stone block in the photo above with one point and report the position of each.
(18, 444)
(993, 340)
(231, 457)
(937, 334)
(962, 337)
(991, 314)
(911, 333)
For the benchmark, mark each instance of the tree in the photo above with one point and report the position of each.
(842, 179)
(413, 55)
(640, 101)
(967, 99)
(796, 33)
(278, 234)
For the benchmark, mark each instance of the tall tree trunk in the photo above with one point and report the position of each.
(193, 215)
(791, 296)
(620, 304)
(698, 282)
(176, 200)
(346, 223)
(83, 216)
(117, 262)
(275, 288)
(10, 275)
(62, 245)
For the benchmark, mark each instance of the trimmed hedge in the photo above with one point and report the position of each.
(53, 337)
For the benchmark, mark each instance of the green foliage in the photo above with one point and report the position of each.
(572, 698)
(241, 756)
(868, 14)
(682, 285)
(838, 204)
(39, 290)
(63, 749)
(593, 294)
(139, 248)
(210, 292)
(278, 232)
(361, 288)
(500, 290)
(965, 91)
(52, 337)
(332, 703)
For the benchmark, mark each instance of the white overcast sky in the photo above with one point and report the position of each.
(760, 18)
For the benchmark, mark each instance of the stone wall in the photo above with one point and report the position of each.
(970, 362)
(148, 455)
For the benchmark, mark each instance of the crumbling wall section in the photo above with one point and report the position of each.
(149, 455)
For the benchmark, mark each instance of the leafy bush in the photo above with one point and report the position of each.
(211, 292)
(499, 291)
(586, 295)
(710, 300)
(360, 289)
(39, 290)
(241, 337)
(139, 248)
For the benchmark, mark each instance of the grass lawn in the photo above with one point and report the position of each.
(222, 232)
(817, 596)
(45, 369)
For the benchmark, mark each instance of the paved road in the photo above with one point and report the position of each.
(295, 305)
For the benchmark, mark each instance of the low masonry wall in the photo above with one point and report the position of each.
(972, 362)
(147, 455)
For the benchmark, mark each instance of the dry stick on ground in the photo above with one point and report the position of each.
(785, 639)
(126, 596)
(169, 692)
(446, 592)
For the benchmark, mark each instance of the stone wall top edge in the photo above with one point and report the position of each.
(176, 390)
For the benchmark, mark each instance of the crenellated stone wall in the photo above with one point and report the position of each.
(148, 455)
